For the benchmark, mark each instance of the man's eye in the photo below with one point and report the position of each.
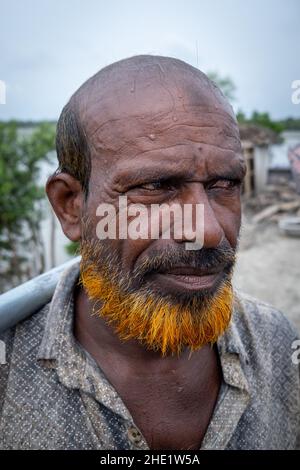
(151, 186)
(157, 185)
(224, 184)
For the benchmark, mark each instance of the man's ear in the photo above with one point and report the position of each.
(66, 197)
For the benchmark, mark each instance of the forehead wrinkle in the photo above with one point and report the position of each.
(175, 127)
(148, 118)
(170, 154)
(187, 159)
(134, 151)
(128, 137)
(178, 133)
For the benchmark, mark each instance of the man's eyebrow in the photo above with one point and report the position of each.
(129, 178)
(235, 172)
(140, 175)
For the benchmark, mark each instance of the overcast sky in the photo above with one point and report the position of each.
(49, 47)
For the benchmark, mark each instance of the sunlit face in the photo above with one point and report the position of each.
(154, 153)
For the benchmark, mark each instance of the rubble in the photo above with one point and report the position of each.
(271, 210)
(276, 202)
(290, 226)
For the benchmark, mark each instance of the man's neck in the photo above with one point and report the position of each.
(171, 399)
(99, 339)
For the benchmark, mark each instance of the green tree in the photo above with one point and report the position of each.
(265, 120)
(21, 200)
(290, 124)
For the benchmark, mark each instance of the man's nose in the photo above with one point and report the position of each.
(213, 233)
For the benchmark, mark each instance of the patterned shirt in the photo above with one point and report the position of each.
(53, 395)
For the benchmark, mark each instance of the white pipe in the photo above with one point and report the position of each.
(20, 302)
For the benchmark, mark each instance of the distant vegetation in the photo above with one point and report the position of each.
(264, 120)
(21, 200)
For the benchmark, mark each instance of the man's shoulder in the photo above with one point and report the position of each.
(26, 333)
(262, 323)
(261, 313)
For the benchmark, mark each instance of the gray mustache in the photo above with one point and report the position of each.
(205, 259)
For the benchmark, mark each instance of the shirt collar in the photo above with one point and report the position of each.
(233, 355)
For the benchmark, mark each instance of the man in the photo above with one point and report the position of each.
(145, 345)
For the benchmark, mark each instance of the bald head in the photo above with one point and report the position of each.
(146, 85)
(134, 99)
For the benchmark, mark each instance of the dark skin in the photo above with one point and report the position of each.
(190, 153)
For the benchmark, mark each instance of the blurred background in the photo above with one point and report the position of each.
(251, 50)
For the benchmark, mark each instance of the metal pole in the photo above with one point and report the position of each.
(20, 302)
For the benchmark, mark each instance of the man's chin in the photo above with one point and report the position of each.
(167, 315)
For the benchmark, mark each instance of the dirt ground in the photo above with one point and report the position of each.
(268, 267)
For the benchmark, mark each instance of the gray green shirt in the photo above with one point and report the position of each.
(53, 395)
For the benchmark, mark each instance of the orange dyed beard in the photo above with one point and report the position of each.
(153, 320)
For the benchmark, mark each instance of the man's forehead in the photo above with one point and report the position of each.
(201, 126)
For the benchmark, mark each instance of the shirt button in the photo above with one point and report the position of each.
(134, 436)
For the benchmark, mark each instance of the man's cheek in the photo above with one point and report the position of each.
(230, 222)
